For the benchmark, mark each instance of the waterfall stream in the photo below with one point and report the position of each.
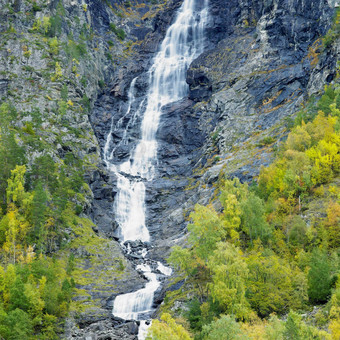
(183, 42)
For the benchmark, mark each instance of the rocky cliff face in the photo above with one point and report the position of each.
(262, 60)
(56, 57)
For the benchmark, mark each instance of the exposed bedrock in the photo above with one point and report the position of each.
(262, 60)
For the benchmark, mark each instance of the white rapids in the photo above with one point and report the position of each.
(183, 42)
(129, 306)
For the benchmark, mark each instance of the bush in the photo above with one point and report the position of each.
(119, 32)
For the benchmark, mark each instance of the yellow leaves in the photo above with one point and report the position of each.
(42, 26)
(334, 327)
(28, 256)
(234, 236)
(27, 52)
(311, 157)
(167, 329)
(299, 139)
(321, 128)
(36, 304)
(2, 279)
(15, 190)
(15, 235)
(70, 102)
(46, 24)
(36, 25)
(15, 221)
(334, 314)
(58, 72)
(332, 224)
(54, 46)
(326, 158)
(229, 272)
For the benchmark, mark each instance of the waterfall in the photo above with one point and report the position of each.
(183, 42)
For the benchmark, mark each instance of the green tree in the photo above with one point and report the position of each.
(225, 328)
(167, 329)
(44, 171)
(253, 219)
(229, 273)
(15, 325)
(319, 276)
(205, 230)
(274, 285)
(10, 155)
(16, 192)
(297, 231)
(38, 216)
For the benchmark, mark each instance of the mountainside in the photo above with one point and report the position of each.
(66, 68)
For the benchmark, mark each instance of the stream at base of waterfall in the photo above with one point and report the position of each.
(183, 42)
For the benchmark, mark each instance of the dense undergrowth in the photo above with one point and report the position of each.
(39, 208)
(42, 191)
(266, 264)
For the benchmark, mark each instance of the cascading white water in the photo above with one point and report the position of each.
(183, 42)
(132, 305)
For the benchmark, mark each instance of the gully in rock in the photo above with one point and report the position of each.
(183, 42)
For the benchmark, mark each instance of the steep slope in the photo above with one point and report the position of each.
(263, 60)
(56, 57)
(66, 68)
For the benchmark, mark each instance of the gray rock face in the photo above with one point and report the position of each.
(257, 70)
(103, 327)
(262, 60)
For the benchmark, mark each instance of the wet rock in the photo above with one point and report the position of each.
(255, 72)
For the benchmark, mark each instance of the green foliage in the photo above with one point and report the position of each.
(266, 141)
(74, 50)
(296, 329)
(297, 233)
(11, 154)
(167, 329)
(33, 296)
(64, 93)
(54, 46)
(229, 274)
(259, 254)
(319, 277)
(253, 219)
(15, 325)
(274, 285)
(194, 314)
(55, 28)
(85, 101)
(58, 73)
(225, 328)
(119, 32)
(39, 206)
(205, 231)
(333, 33)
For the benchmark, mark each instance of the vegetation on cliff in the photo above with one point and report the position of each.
(255, 268)
(47, 149)
(252, 266)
